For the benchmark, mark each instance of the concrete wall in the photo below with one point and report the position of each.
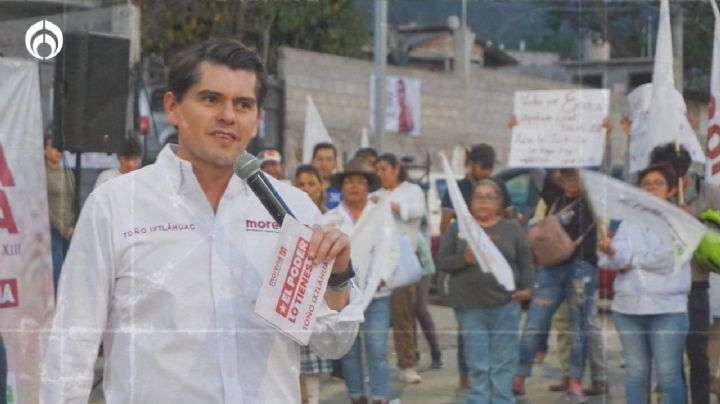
(450, 114)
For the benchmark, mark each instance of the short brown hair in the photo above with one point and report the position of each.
(185, 65)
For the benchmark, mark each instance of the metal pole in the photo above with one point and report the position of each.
(464, 13)
(380, 62)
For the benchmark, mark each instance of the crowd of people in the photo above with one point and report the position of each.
(659, 313)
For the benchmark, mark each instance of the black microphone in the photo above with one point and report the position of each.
(247, 167)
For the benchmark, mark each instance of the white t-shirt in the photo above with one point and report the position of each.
(106, 176)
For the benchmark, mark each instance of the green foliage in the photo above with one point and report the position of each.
(327, 26)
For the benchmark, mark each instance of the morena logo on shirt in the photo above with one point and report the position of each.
(9, 293)
(270, 226)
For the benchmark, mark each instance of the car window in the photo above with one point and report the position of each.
(441, 187)
(156, 101)
(518, 188)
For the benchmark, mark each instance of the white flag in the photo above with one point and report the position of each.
(457, 160)
(364, 140)
(616, 200)
(665, 123)
(487, 254)
(315, 130)
(376, 234)
(712, 174)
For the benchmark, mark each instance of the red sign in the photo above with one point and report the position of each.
(9, 293)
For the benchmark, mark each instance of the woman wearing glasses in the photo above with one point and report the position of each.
(488, 315)
(650, 303)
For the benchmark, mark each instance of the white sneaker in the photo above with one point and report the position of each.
(409, 375)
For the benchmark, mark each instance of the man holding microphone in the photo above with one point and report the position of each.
(167, 262)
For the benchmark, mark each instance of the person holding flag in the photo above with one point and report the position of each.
(487, 313)
(375, 255)
(697, 197)
(650, 303)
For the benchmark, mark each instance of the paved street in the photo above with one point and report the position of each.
(441, 386)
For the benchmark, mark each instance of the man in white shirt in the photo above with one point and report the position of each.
(167, 262)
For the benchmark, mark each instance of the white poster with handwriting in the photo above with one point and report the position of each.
(559, 128)
(294, 288)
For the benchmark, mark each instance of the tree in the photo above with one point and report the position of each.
(327, 26)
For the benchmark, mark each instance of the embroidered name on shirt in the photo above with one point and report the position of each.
(269, 226)
(159, 228)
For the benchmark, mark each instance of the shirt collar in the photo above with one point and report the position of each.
(181, 178)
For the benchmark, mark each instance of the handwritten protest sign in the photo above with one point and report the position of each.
(294, 288)
(559, 128)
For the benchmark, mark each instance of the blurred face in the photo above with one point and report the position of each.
(129, 163)
(217, 117)
(273, 168)
(325, 161)
(52, 155)
(387, 173)
(655, 183)
(569, 180)
(355, 188)
(479, 172)
(485, 202)
(311, 186)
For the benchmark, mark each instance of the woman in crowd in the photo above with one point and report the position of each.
(357, 216)
(573, 280)
(308, 179)
(488, 315)
(407, 203)
(650, 303)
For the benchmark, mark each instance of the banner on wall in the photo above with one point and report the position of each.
(402, 104)
(26, 286)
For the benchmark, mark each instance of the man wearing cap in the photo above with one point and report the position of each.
(271, 163)
(481, 160)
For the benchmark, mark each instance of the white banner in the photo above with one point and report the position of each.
(666, 120)
(26, 286)
(377, 234)
(294, 289)
(402, 104)
(712, 173)
(486, 253)
(613, 199)
(559, 128)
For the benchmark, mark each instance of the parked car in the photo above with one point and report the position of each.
(152, 124)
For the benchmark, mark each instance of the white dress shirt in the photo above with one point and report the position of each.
(169, 286)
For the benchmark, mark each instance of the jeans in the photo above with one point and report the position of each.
(491, 339)
(462, 366)
(647, 338)
(575, 282)
(59, 247)
(402, 319)
(424, 317)
(697, 343)
(374, 334)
